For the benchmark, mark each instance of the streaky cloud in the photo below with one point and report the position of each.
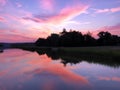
(4, 37)
(108, 10)
(65, 14)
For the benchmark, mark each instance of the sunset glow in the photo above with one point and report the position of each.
(27, 20)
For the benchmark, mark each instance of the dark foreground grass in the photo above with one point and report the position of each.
(103, 51)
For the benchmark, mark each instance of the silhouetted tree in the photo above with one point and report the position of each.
(76, 39)
(89, 40)
(53, 40)
(105, 38)
(115, 40)
(63, 32)
(41, 42)
(71, 39)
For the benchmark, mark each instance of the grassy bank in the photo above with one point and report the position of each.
(103, 51)
(107, 51)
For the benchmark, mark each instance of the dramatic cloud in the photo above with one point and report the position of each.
(64, 15)
(47, 4)
(112, 10)
(68, 13)
(42, 17)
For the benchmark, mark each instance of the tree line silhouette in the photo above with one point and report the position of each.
(77, 39)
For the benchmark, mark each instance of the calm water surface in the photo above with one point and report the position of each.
(24, 70)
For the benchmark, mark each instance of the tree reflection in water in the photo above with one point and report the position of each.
(74, 58)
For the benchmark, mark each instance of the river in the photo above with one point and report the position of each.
(25, 70)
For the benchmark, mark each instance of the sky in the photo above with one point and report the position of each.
(27, 20)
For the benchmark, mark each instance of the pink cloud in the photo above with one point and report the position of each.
(66, 13)
(11, 38)
(2, 73)
(47, 4)
(112, 29)
(102, 10)
(112, 10)
(2, 2)
(38, 20)
(42, 32)
(6, 36)
(2, 19)
(10, 16)
(117, 9)
(14, 35)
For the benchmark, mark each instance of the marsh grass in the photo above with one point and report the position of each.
(102, 51)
